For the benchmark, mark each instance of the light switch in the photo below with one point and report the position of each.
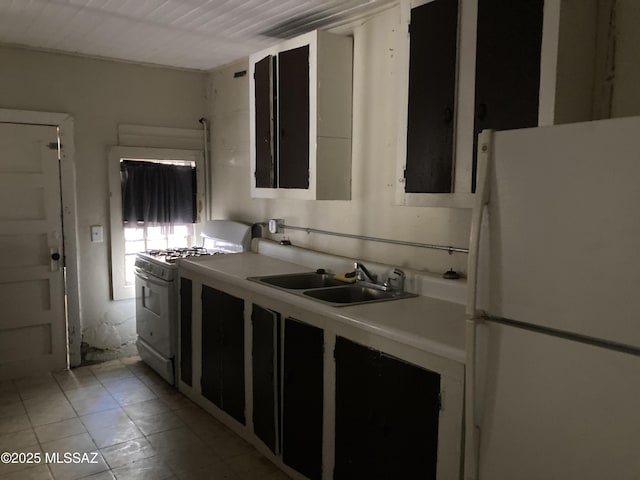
(97, 234)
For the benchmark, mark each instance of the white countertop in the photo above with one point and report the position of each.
(429, 324)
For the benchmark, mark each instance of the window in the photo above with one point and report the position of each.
(145, 226)
(140, 238)
(158, 207)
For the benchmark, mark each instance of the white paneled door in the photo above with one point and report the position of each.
(32, 312)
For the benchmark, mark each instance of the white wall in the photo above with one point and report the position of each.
(626, 91)
(371, 211)
(99, 95)
(617, 64)
(575, 75)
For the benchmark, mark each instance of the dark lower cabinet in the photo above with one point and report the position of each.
(302, 398)
(266, 376)
(223, 351)
(386, 416)
(186, 321)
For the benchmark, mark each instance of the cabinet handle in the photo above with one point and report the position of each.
(448, 115)
(482, 111)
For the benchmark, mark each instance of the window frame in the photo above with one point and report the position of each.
(120, 290)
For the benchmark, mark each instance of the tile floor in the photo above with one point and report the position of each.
(128, 418)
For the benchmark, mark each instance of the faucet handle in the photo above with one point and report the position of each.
(396, 279)
(363, 273)
(356, 269)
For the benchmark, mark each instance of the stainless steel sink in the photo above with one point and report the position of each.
(300, 281)
(325, 288)
(355, 294)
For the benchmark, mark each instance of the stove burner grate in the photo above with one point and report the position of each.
(172, 254)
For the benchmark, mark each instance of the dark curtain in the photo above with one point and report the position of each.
(158, 193)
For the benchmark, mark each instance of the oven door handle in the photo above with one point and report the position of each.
(154, 280)
(138, 273)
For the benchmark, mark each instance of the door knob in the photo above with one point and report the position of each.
(55, 257)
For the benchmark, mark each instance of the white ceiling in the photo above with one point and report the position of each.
(198, 34)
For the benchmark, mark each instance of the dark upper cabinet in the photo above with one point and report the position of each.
(266, 376)
(186, 321)
(265, 174)
(461, 84)
(303, 398)
(432, 84)
(293, 117)
(223, 351)
(281, 119)
(387, 414)
(301, 109)
(508, 53)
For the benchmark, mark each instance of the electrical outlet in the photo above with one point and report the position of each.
(97, 234)
(275, 225)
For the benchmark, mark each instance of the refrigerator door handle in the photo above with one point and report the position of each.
(472, 433)
(481, 200)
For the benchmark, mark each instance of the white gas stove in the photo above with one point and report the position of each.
(162, 263)
(157, 291)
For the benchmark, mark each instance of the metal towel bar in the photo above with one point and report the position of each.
(448, 249)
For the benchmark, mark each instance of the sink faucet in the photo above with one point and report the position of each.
(395, 280)
(363, 273)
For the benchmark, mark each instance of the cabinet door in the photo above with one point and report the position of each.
(223, 351)
(432, 82)
(186, 320)
(302, 398)
(233, 401)
(358, 440)
(387, 415)
(265, 174)
(508, 52)
(293, 118)
(211, 381)
(410, 401)
(266, 381)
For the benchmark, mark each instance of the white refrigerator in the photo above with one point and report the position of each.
(553, 336)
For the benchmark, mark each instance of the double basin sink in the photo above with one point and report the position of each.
(325, 288)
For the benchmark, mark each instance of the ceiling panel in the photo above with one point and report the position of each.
(198, 34)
